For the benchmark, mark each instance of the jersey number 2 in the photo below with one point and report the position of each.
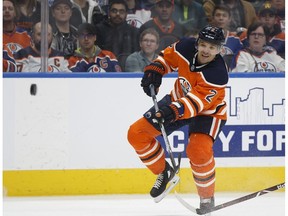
(210, 96)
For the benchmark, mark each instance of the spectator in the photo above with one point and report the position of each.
(190, 14)
(222, 17)
(256, 58)
(14, 37)
(89, 57)
(30, 12)
(91, 11)
(149, 43)
(268, 16)
(29, 58)
(276, 38)
(243, 12)
(169, 30)
(76, 18)
(65, 34)
(279, 5)
(116, 35)
(136, 16)
(9, 64)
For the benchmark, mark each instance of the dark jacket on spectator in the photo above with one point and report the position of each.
(66, 43)
(196, 16)
(176, 32)
(122, 40)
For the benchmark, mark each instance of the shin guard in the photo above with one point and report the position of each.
(141, 135)
(200, 153)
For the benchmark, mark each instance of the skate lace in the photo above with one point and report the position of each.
(159, 181)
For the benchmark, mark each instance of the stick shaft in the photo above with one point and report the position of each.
(163, 131)
(244, 198)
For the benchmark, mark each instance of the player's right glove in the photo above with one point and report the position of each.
(152, 75)
(169, 113)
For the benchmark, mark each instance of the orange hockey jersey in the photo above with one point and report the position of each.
(16, 40)
(200, 88)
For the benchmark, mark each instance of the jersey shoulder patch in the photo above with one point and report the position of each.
(186, 46)
(216, 72)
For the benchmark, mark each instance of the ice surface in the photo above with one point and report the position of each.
(272, 204)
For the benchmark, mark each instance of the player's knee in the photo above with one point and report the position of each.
(199, 149)
(132, 134)
(139, 134)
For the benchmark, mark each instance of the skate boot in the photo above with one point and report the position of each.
(206, 204)
(161, 182)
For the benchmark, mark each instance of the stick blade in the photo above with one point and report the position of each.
(186, 204)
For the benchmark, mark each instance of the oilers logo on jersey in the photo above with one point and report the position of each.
(95, 69)
(226, 51)
(14, 47)
(185, 85)
(51, 69)
(265, 67)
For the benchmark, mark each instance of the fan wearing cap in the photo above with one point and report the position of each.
(89, 57)
(275, 37)
(197, 100)
(65, 34)
(169, 30)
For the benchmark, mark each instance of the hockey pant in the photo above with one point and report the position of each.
(203, 130)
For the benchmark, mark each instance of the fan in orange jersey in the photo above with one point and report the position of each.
(14, 37)
(197, 100)
(29, 59)
(9, 64)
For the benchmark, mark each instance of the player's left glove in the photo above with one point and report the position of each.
(152, 75)
(169, 113)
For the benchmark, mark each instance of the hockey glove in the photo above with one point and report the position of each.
(169, 113)
(152, 75)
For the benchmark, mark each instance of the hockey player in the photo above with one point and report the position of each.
(197, 100)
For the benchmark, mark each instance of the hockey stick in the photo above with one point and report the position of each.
(232, 202)
(164, 134)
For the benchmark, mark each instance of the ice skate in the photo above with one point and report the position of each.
(159, 191)
(206, 204)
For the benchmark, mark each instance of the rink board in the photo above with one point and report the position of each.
(70, 139)
(130, 181)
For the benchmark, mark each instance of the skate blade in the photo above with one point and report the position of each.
(172, 184)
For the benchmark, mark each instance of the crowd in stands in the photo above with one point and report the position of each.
(126, 35)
